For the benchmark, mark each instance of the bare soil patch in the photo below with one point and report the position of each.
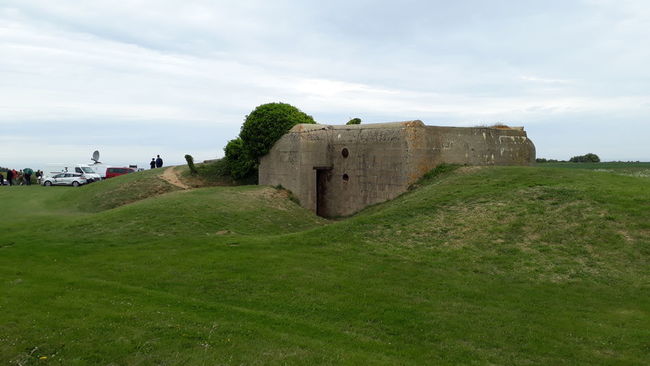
(172, 177)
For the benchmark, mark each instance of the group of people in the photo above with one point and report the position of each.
(20, 177)
(156, 162)
(24, 176)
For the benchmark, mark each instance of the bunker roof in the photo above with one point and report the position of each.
(306, 127)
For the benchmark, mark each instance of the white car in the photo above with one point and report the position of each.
(65, 179)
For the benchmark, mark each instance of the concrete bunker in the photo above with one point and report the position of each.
(339, 170)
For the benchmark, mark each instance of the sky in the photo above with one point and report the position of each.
(145, 77)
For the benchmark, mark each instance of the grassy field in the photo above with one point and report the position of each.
(501, 265)
(636, 169)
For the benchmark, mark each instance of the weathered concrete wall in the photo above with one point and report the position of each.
(292, 159)
(380, 161)
(432, 145)
(374, 170)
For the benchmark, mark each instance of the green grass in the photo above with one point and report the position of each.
(116, 191)
(637, 169)
(503, 265)
(214, 173)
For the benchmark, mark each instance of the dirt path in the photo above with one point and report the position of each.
(170, 175)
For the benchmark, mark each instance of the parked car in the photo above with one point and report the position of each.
(114, 171)
(65, 179)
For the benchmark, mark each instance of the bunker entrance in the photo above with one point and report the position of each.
(323, 176)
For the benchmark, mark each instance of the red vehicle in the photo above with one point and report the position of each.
(114, 172)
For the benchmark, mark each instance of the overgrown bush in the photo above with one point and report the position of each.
(266, 124)
(500, 125)
(190, 164)
(214, 170)
(587, 158)
(261, 129)
(354, 121)
(239, 162)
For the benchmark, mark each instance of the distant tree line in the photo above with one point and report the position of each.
(587, 158)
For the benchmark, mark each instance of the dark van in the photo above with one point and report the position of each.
(114, 172)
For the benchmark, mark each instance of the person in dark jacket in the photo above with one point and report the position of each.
(159, 162)
(152, 163)
(10, 177)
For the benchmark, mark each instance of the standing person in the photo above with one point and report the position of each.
(10, 177)
(152, 164)
(2, 180)
(159, 162)
(27, 174)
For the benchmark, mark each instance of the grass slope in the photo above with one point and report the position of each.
(635, 169)
(504, 265)
(117, 191)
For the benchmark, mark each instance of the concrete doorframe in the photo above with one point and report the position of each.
(323, 176)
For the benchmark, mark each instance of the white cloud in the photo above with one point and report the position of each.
(202, 65)
(538, 79)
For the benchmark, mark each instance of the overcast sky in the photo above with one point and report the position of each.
(139, 78)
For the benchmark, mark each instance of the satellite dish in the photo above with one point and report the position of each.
(95, 157)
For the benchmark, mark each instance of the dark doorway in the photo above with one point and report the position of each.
(323, 176)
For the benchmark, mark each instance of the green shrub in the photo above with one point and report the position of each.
(217, 172)
(354, 121)
(261, 129)
(266, 124)
(217, 168)
(240, 163)
(587, 158)
(190, 164)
